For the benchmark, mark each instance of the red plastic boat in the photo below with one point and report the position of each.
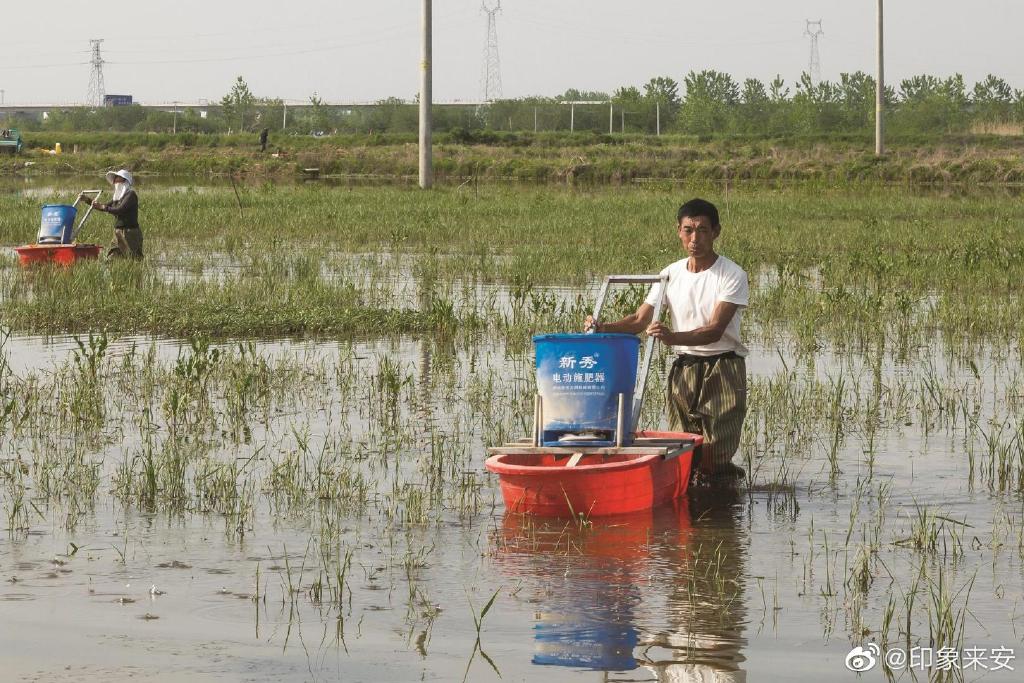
(564, 482)
(61, 254)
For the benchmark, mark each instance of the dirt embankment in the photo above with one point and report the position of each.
(993, 159)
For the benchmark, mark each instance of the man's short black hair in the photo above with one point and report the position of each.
(698, 207)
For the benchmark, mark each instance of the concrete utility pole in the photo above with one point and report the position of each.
(426, 96)
(657, 118)
(880, 91)
(174, 124)
(611, 116)
(284, 116)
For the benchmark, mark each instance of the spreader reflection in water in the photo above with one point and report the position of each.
(660, 590)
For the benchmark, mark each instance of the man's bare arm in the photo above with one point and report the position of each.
(708, 334)
(632, 324)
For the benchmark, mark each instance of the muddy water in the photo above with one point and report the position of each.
(727, 585)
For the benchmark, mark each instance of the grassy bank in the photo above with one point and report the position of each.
(544, 157)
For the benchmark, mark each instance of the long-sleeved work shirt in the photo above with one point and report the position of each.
(125, 211)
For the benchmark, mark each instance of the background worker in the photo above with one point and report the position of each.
(705, 295)
(263, 139)
(125, 208)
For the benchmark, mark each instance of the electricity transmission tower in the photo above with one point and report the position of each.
(490, 81)
(814, 65)
(97, 90)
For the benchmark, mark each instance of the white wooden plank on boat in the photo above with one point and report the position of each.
(637, 443)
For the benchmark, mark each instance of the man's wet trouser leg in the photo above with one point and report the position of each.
(709, 397)
(127, 243)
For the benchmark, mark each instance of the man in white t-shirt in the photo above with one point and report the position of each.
(705, 297)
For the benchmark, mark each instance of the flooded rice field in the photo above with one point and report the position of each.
(270, 465)
(319, 510)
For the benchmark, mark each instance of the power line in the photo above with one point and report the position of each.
(97, 89)
(491, 78)
(40, 66)
(814, 63)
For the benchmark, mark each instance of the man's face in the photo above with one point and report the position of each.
(697, 235)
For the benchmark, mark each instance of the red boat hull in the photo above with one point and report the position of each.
(61, 254)
(599, 484)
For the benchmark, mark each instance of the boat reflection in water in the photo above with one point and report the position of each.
(659, 592)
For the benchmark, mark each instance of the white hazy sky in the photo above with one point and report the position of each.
(364, 50)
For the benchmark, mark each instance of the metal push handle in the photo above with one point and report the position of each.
(641, 387)
(83, 193)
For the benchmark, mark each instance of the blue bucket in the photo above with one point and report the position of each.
(579, 379)
(57, 224)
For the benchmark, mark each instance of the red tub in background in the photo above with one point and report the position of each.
(564, 482)
(61, 254)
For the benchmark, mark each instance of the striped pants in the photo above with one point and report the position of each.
(708, 396)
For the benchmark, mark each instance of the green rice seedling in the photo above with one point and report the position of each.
(836, 418)
(85, 400)
(188, 404)
(930, 531)
(887, 619)
(469, 496)
(389, 382)
(122, 551)
(478, 622)
(947, 612)
(15, 504)
(66, 474)
(1003, 467)
(861, 576)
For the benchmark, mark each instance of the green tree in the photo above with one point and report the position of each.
(754, 107)
(664, 90)
(574, 95)
(817, 107)
(992, 99)
(857, 94)
(627, 95)
(632, 110)
(778, 92)
(239, 105)
(710, 102)
(318, 118)
(1018, 106)
(393, 115)
(927, 104)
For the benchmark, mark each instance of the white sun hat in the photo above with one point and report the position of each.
(123, 173)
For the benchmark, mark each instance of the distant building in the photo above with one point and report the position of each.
(117, 100)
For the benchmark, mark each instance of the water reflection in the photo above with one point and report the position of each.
(706, 607)
(659, 592)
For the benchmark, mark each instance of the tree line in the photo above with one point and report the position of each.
(706, 103)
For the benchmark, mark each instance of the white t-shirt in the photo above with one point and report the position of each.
(691, 299)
